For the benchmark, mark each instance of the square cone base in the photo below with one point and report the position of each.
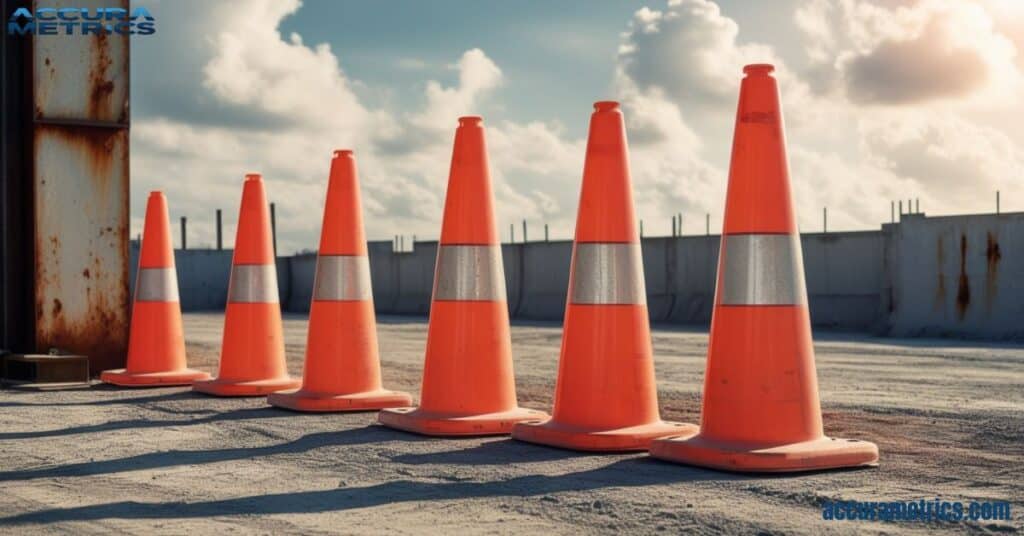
(416, 420)
(219, 387)
(302, 400)
(633, 438)
(813, 455)
(123, 378)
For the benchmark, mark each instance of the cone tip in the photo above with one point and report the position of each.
(340, 153)
(606, 106)
(470, 120)
(253, 177)
(156, 194)
(758, 69)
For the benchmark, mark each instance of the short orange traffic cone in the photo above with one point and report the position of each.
(468, 385)
(252, 361)
(342, 371)
(761, 409)
(605, 398)
(156, 343)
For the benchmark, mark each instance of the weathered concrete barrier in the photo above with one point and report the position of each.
(953, 275)
(958, 275)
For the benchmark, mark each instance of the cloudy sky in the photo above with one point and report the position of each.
(883, 100)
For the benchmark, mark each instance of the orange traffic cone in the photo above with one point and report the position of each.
(468, 385)
(761, 409)
(342, 371)
(156, 343)
(252, 361)
(605, 398)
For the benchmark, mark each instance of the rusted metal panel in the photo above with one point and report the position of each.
(80, 175)
(81, 234)
(81, 77)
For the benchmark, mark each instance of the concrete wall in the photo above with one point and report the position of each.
(958, 275)
(541, 269)
(845, 277)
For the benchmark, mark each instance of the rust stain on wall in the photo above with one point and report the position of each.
(992, 258)
(97, 143)
(963, 292)
(101, 88)
(100, 339)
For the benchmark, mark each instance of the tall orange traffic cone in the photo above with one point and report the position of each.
(468, 385)
(761, 409)
(252, 361)
(342, 371)
(605, 398)
(156, 343)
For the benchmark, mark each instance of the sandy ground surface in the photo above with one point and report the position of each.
(947, 417)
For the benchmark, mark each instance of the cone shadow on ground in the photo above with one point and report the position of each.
(172, 458)
(501, 452)
(634, 472)
(233, 415)
(147, 396)
(779, 475)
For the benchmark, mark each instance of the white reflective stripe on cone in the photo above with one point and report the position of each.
(762, 269)
(342, 278)
(253, 283)
(156, 285)
(469, 273)
(607, 274)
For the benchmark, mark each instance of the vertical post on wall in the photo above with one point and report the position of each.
(997, 201)
(673, 225)
(184, 244)
(545, 232)
(917, 205)
(641, 228)
(511, 233)
(892, 212)
(525, 239)
(220, 241)
(824, 219)
(679, 216)
(394, 245)
(901, 209)
(273, 227)
(707, 224)
(401, 243)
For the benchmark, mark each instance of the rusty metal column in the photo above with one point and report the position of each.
(79, 174)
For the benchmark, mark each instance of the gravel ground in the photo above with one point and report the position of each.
(947, 417)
